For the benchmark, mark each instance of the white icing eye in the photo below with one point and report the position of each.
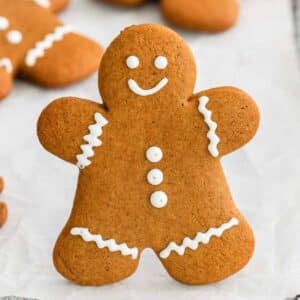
(132, 62)
(159, 199)
(14, 37)
(161, 62)
(3, 23)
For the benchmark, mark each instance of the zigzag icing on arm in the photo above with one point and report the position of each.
(200, 238)
(211, 135)
(92, 140)
(6, 63)
(40, 47)
(111, 244)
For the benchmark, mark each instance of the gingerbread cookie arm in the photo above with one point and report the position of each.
(60, 58)
(71, 128)
(232, 118)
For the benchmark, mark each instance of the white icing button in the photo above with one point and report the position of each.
(161, 62)
(14, 37)
(154, 154)
(155, 177)
(132, 62)
(3, 23)
(159, 199)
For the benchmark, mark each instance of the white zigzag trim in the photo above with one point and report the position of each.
(201, 238)
(110, 244)
(42, 3)
(212, 136)
(6, 63)
(92, 140)
(47, 43)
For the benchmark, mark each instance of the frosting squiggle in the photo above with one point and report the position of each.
(47, 43)
(6, 64)
(111, 244)
(92, 140)
(200, 238)
(212, 136)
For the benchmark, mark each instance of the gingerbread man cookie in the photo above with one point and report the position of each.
(202, 15)
(3, 206)
(150, 171)
(37, 46)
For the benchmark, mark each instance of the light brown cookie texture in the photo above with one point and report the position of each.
(198, 15)
(3, 206)
(150, 171)
(35, 45)
(204, 15)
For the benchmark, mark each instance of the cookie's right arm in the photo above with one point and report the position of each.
(64, 126)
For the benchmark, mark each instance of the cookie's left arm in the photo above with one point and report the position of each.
(231, 115)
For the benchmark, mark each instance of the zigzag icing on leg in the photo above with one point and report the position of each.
(110, 244)
(6, 63)
(200, 238)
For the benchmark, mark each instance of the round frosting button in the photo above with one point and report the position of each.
(154, 154)
(155, 177)
(159, 199)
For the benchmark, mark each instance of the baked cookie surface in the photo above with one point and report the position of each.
(35, 45)
(149, 160)
(200, 15)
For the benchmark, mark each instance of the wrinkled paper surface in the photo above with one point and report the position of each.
(259, 56)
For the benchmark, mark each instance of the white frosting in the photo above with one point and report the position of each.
(42, 3)
(6, 63)
(159, 199)
(4, 23)
(161, 62)
(135, 88)
(154, 154)
(14, 37)
(132, 62)
(47, 43)
(200, 238)
(212, 136)
(111, 244)
(92, 140)
(155, 177)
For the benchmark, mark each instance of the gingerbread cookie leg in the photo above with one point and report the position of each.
(58, 5)
(210, 256)
(109, 261)
(68, 58)
(204, 15)
(125, 2)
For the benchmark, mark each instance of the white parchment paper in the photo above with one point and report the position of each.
(258, 56)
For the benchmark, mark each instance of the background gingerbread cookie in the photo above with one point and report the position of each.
(37, 46)
(202, 15)
(150, 172)
(3, 206)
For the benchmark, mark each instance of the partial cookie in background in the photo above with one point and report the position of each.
(3, 206)
(35, 45)
(150, 166)
(199, 15)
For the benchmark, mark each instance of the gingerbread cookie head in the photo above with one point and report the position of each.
(147, 61)
(150, 169)
(35, 45)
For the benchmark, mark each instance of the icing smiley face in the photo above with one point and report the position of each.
(143, 67)
(160, 63)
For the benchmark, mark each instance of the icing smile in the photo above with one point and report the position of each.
(135, 88)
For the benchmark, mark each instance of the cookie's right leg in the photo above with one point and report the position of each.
(87, 259)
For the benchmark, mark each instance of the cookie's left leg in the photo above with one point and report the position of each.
(6, 82)
(219, 258)
(69, 58)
